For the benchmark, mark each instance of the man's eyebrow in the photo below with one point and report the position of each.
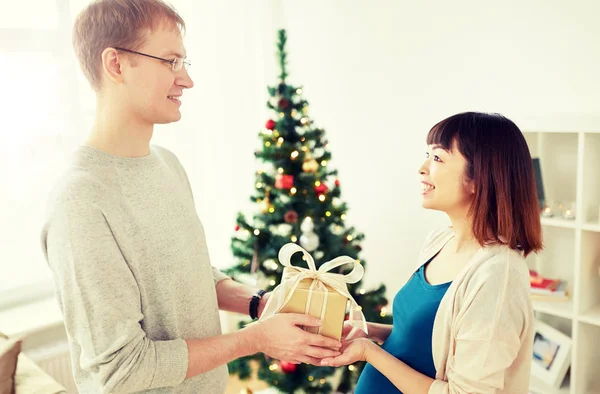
(173, 53)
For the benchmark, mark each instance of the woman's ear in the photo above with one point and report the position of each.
(470, 187)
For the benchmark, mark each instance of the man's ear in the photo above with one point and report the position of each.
(111, 65)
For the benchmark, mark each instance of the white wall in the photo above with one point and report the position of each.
(377, 75)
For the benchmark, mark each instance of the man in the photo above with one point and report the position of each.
(127, 251)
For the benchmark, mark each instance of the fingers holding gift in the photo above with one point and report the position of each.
(322, 341)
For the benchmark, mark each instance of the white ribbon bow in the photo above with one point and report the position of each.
(293, 275)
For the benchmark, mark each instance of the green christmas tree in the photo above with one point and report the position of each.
(298, 199)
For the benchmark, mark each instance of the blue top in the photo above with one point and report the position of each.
(414, 310)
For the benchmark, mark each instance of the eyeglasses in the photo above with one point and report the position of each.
(176, 64)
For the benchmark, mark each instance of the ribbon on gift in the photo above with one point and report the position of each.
(293, 275)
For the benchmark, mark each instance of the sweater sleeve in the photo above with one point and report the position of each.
(101, 305)
(493, 314)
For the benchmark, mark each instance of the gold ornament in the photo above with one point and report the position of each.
(246, 391)
(310, 165)
(265, 204)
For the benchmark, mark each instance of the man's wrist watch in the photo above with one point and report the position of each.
(254, 302)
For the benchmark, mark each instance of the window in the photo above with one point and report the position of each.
(42, 118)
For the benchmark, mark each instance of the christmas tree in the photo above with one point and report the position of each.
(298, 199)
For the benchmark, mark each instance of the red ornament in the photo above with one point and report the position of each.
(337, 182)
(288, 367)
(321, 189)
(283, 181)
(270, 124)
(290, 217)
(237, 228)
(284, 103)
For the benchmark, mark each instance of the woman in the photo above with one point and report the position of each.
(463, 323)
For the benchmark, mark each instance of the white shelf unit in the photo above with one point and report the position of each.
(570, 166)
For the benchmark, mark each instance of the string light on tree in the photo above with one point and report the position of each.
(271, 265)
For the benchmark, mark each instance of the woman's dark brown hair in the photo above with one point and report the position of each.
(505, 207)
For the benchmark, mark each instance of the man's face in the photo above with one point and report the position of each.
(151, 89)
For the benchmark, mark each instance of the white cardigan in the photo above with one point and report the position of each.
(483, 331)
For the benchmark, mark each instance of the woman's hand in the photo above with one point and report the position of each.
(350, 333)
(352, 351)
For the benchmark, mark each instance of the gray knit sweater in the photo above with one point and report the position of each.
(132, 272)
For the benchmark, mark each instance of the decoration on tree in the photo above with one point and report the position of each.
(337, 182)
(291, 217)
(288, 367)
(321, 188)
(284, 103)
(266, 205)
(309, 240)
(336, 202)
(294, 186)
(283, 229)
(283, 181)
(310, 165)
(246, 390)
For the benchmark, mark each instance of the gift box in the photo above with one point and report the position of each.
(321, 293)
(329, 306)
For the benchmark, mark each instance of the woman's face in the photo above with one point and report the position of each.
(445, 186)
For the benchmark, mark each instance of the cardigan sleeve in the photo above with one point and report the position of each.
(493, 313)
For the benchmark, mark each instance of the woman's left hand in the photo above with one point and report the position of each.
(352, 351)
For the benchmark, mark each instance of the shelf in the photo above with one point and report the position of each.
(537, 386)
(591, 227)
(562, 309)
(591, 316)
(557, 222)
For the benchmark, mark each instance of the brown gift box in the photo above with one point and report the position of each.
(323, 290)
(333, 319)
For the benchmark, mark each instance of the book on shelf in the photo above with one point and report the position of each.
(547, 289)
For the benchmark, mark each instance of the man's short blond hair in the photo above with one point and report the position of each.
(116, 23)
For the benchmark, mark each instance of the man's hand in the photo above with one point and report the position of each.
(280, 337)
